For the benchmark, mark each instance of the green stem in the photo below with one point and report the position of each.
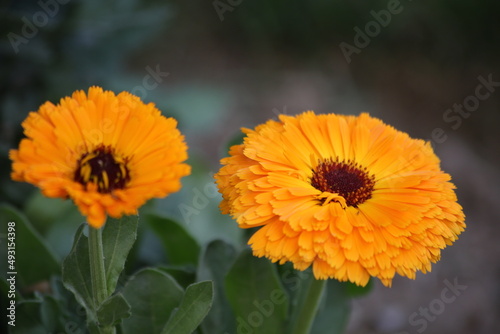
(309, 307)
(98, 272)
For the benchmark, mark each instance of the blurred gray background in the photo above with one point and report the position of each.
(429, 68)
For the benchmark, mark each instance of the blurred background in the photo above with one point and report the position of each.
(218, 65)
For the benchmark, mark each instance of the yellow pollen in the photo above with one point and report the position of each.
(103, 169)
(346, 180)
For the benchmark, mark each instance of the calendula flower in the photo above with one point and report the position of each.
(109, 153)
(349, 195)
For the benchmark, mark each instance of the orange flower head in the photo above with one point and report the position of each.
(348, 195)
(109, 153)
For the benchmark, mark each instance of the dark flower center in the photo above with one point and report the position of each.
(347, 179)
(103, 169)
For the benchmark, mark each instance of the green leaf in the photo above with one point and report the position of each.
(34, 260)
(76, 271)
(27, 319)
(298, 283)
(183, 275)
(220, 318)
(44, 211)
(44, 315)
(113, 310)
(334, 309)
(152, 296)
(195, 305)
(258, 299)
(118, 237)
(72, 315)
(50, 312)
(180, 246)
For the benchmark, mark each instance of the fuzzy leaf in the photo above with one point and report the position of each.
(113, 310)
(152, 296)
(256, 295)
(195, 305)
(118, 237)
(76, 271)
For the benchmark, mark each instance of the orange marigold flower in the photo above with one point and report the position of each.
(349, 195)
(109, 153)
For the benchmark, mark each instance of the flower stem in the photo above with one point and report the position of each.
(97, 272)
(309, 307)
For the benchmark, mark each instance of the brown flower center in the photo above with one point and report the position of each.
(348, 179)
(102, 168)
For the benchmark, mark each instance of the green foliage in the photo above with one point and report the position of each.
(153, 295)
(256, 295)
(28, 319)
(56, 219)
(334, 310)
(34, 260)
(194, 306)
(215, 263)
(76, 272)
(113, 310)
(184, 275)
(180, 246)
(148, 299)
(229, 291)
(56, 313)
(50, 311)
(44, 212)
(118, 237)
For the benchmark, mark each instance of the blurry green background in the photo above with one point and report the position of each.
(235, 64)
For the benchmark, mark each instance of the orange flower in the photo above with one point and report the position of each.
(109, 153)
(349, 195)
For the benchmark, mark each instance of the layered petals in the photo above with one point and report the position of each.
(109, 153)
(348, 195)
